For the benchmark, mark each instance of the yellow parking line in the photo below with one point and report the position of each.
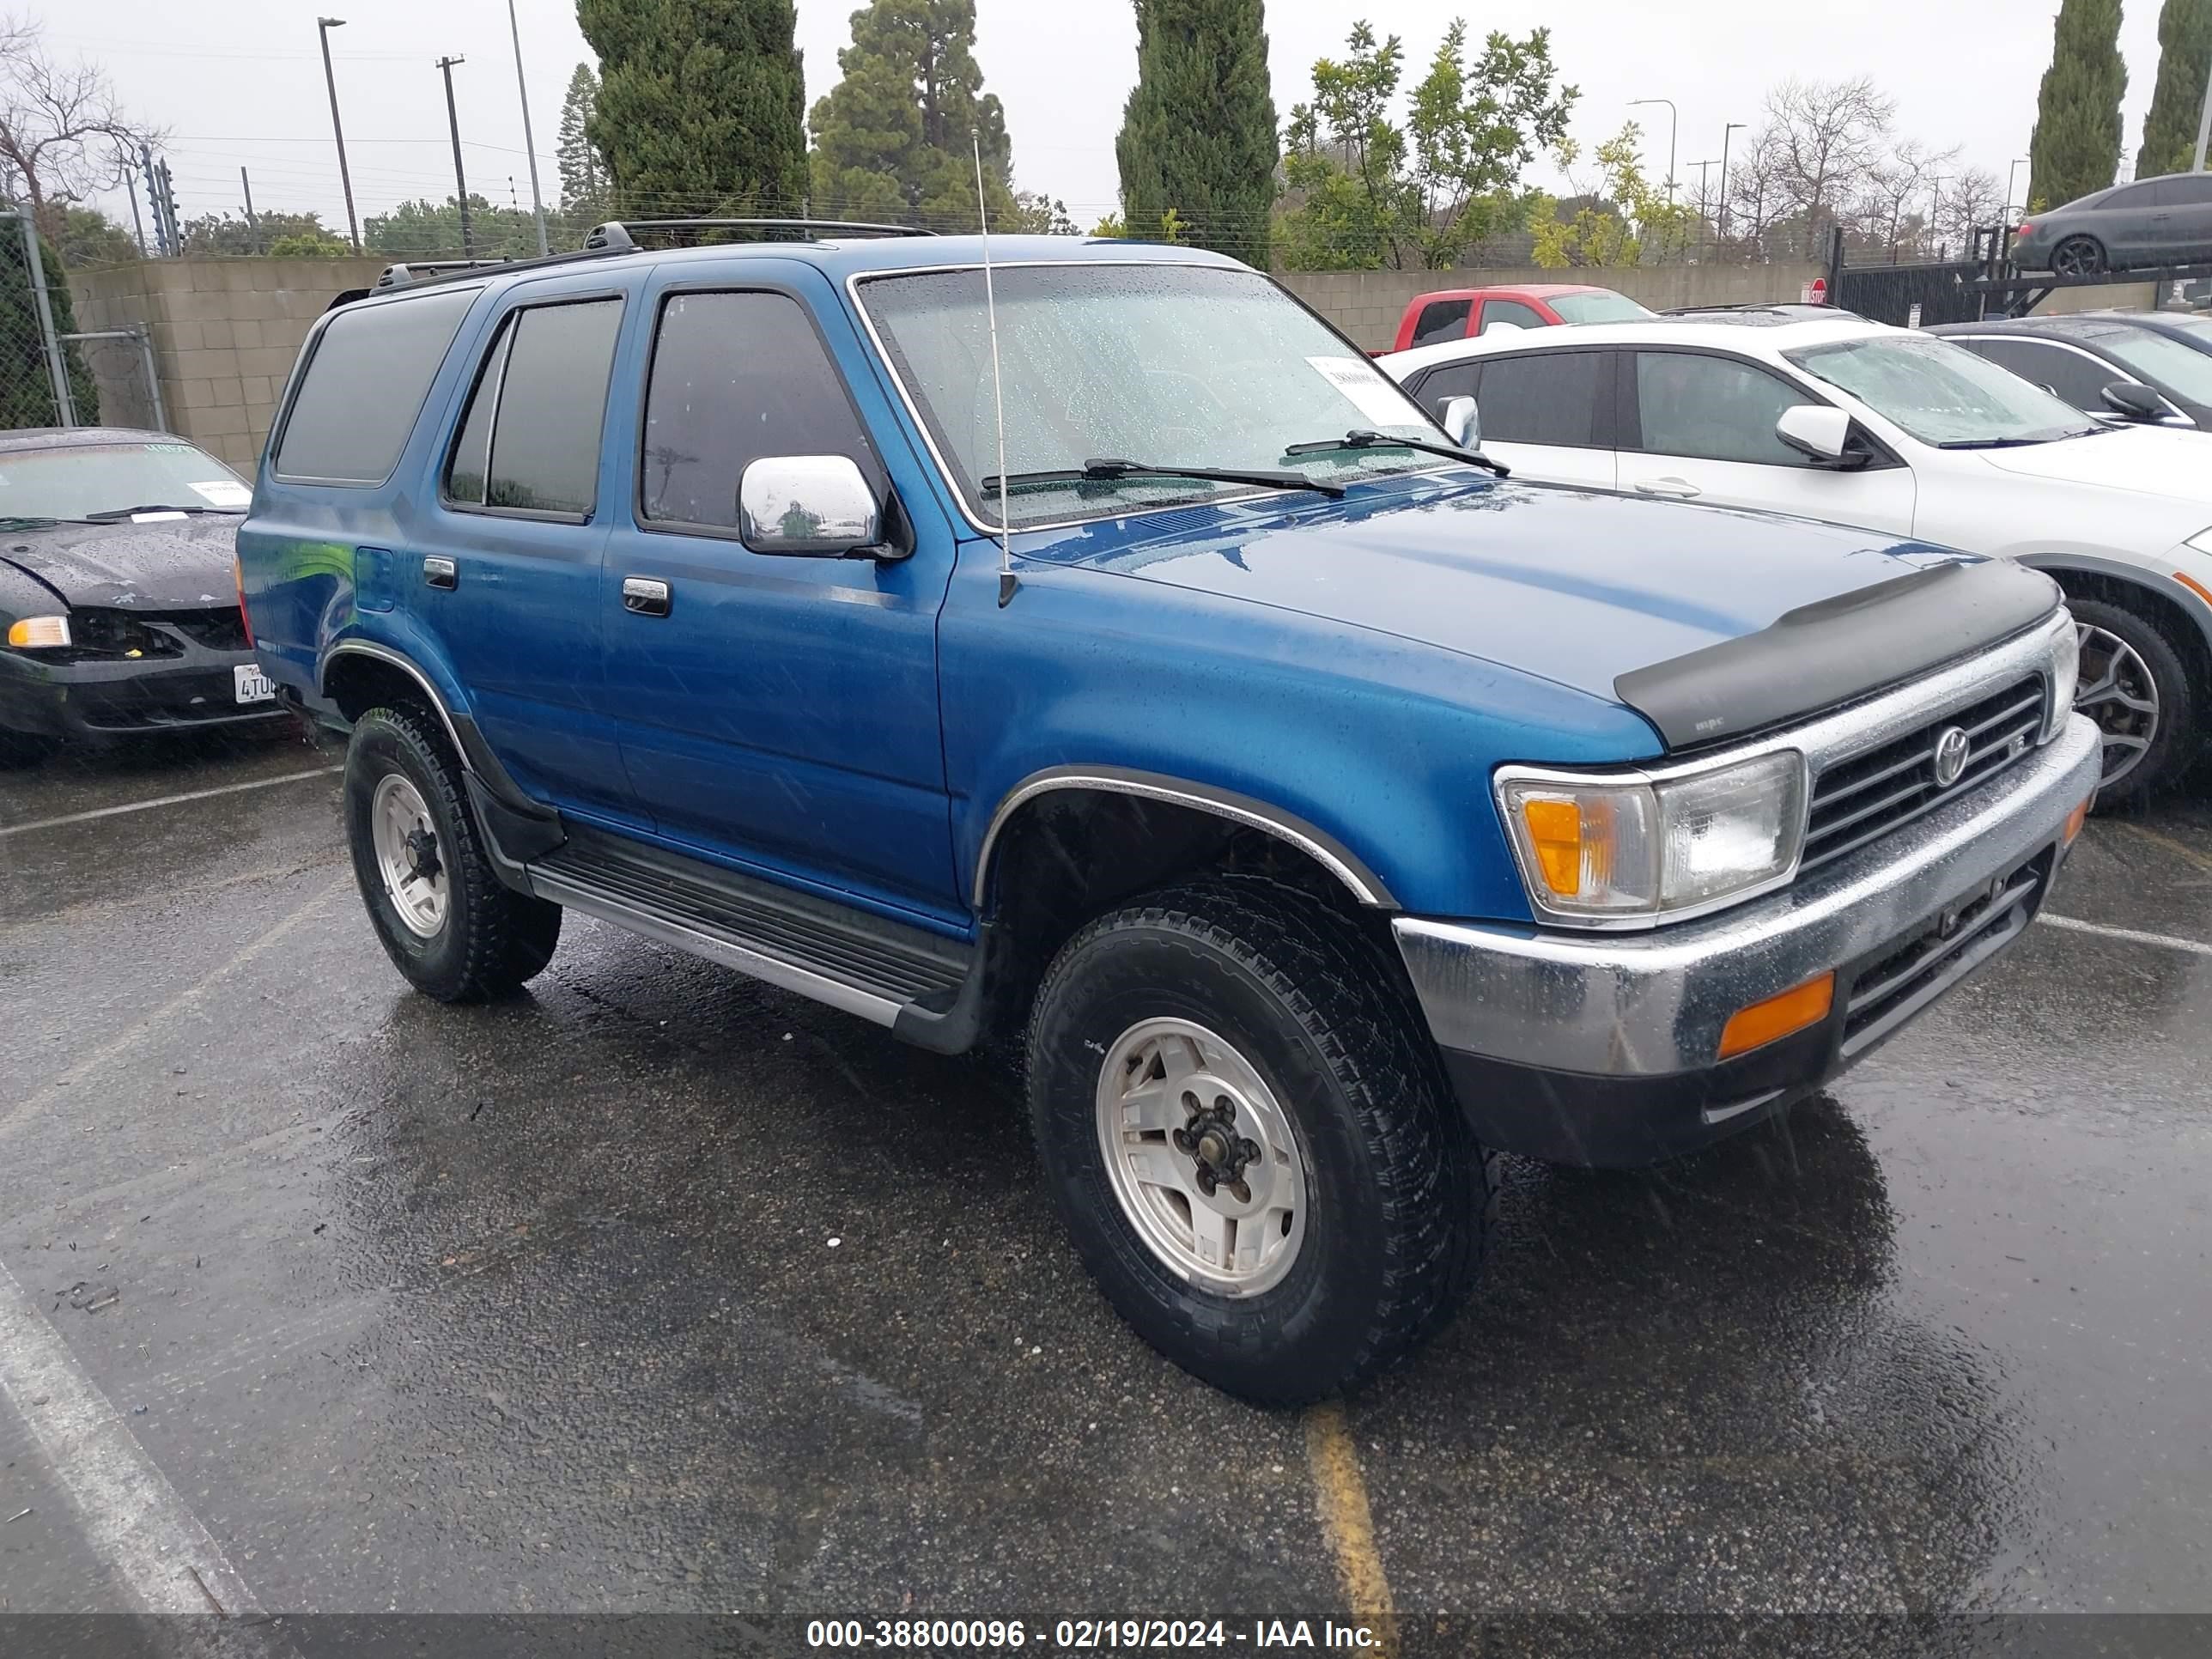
(1340, 1495)
(2180, 849)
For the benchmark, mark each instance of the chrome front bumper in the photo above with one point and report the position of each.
(1611, 1007)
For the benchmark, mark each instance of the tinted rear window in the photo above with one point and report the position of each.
(1546, 398)
(364, 387)
(1441, 320)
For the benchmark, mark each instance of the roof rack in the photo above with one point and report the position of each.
(615, 235)
(415, 271)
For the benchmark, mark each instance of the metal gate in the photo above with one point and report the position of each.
(119, 364)
(1908, 295)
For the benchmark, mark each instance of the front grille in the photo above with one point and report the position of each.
(222, 629)
(1864, 798)
(1916, 970)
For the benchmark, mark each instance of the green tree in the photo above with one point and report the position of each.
(1618, 221)
(220, 234)
(432, 230)
(700, 104)
(893, 138)
(89, 237)
(583, 172)
(1373, 193)
(316, 244)
(27, 386)
(2075, 148)
(1198, 133)
(2184, 54)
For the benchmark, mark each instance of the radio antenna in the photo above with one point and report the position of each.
(1006, 582)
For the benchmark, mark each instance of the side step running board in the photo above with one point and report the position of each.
(926, 987)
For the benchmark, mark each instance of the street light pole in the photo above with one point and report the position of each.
(2011, 174)
(1705, 194)
(1673, 122)
(529, 143)
(1727, 133)
(323, 28)
(460, 183)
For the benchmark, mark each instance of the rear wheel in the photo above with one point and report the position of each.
(2135, 686)
(442, 915)
(1250, 1141)
(2077, 256)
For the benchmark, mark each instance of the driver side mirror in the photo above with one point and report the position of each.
(1817, 431)
(2133, 402)
(815, 507)
(1462, 421)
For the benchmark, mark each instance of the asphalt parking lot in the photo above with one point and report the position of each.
(659, 1292)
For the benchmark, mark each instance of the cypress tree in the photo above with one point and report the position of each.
(2077, 146)
(701, 105)
(2184, 53)
(1197, 134)
(27, 385)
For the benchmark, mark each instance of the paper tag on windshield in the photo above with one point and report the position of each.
(225, 492)
(1367, 390)
(155, 518)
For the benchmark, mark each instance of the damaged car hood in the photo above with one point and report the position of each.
(173, 564)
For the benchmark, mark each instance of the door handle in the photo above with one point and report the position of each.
(440, 573)
(1674, 489)
(643, 597)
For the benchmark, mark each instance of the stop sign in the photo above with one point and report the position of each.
(1816, 291)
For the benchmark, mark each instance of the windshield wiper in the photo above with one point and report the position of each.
(9, 527)
(1106, 470)
(117, 514)
(2023, 443)
(1365, 440)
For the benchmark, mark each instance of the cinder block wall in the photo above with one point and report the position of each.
(225, 333)
(1367, 304)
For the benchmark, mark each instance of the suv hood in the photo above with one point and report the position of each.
(2147, 460)
(1755, 618)
(176, 564)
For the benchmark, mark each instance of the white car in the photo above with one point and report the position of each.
(1837, 418)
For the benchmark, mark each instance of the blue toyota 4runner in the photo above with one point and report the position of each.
(1319, 813)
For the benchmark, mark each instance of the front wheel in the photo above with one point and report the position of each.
(1250, 1141)
(440, 911)
(2135, 686)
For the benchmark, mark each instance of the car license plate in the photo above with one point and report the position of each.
(254, 686)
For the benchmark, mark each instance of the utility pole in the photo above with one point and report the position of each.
(460, 184)
(161, 248)
(1705, 196)
(323, 28)
(1727, 133)
(252, 229)
(1673, 123)
(169, 209)
(130, 195)
(529, 143)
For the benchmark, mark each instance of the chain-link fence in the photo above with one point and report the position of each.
(44, 378)
(119, 362)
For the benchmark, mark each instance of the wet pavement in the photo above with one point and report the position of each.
(658, 1291)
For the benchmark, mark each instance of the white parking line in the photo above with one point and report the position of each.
(2164, 941)
(131, 1514)
(167, 801)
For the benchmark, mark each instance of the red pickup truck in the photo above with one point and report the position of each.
(1455, 313)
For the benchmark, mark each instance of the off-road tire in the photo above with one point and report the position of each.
(1398, 1195)
(2181, 704)
(493, 939)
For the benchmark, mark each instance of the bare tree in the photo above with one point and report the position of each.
(1971, 200)
(1813, 157)
(63, 135)
(1892, 189)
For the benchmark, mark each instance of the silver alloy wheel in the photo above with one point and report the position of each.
(407, 854)
(1203, 1159)
(2117, 692)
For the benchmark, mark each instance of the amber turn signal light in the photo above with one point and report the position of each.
(1763, 1022)
(2075, 820)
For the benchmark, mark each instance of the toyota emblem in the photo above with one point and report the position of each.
(1950, 756)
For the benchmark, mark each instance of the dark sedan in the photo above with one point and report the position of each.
(118, 598)
(2166, 221)
(2107, 363)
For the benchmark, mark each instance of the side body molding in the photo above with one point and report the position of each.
(1317, 844)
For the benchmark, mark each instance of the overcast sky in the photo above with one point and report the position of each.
(240, 82)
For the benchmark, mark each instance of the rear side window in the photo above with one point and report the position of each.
(530, 440)
(735, 377)
(1545, 397)
(364, 387)
(2186, 190)
(1440, 319)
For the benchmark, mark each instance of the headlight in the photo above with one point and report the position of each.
(39, 633)
(2065, 674)
(1620, 851)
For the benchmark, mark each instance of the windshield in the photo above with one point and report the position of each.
(1169, 365)
(1602, 306)
(2180, 369)
(1943, 394)
(77, 483)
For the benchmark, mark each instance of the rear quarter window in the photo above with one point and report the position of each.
(363, 387)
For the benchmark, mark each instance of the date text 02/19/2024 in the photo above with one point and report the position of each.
(1082, 1635)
